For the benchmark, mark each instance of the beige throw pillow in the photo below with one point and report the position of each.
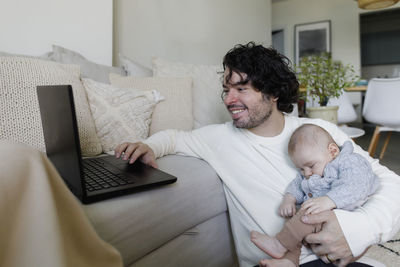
(208, 107)
(120, 114)
(19, 108)
(175, 112)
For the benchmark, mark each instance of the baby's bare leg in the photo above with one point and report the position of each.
(268, 244)
(294, 231)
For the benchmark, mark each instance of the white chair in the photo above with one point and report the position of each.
(346, 111)
(382, 107)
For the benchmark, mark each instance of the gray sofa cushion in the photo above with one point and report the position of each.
(89, 69)
(207, 244)
(139, 223)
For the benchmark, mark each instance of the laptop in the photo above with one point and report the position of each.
(89, 179)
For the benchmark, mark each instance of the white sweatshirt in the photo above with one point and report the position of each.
(255, 172)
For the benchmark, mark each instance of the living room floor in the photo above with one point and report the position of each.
(391, 159)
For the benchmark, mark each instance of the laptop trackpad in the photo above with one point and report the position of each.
(137, 169)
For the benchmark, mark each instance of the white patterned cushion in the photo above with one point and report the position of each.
(120, 114)
(175, 112)
(208, 107)
(19, 108)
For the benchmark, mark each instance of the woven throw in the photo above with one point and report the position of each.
(19, 108)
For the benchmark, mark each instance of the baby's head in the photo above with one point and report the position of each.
(311, 148)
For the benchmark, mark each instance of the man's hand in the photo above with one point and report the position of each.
(317, 205)
(134, 151)
(330, 240)
(288, 206)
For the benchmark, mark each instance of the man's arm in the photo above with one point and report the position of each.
(378, 219)
(158, 145)
(161, 144)
(188, 143)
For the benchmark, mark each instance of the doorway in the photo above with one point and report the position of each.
(278, 41)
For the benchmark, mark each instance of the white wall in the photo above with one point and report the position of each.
(344, 16)
(31, 26)
(190, 31)
(345, 29)
(344, 25)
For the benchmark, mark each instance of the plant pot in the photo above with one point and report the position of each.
(326, 113)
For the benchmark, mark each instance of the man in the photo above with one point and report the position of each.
(250, 156)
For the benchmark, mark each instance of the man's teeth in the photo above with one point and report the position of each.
(237, 111)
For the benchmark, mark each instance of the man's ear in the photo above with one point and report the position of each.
(333, 150)
(270, 97)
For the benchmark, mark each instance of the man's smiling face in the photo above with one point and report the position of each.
(248, 107)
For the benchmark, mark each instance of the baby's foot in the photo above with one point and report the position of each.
(268, 244)
(277, 263)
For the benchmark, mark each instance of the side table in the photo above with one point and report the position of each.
(352, 132)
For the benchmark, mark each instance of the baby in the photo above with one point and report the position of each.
(331, 177)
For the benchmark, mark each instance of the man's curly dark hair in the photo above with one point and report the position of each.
(267, 70)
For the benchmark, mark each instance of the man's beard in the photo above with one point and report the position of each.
(257, 116)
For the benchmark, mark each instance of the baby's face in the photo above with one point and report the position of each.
(311, 160)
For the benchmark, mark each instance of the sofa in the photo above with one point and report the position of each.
(181, 224)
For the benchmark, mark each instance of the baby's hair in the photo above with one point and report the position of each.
(311, 135)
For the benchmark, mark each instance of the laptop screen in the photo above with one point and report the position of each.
(61, 133)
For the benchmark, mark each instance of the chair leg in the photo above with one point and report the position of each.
(385, 145)
(374, 142)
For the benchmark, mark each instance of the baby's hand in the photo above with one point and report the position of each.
(288, 206)
(317, 205)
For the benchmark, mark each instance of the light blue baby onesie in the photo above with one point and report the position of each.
(347, 180)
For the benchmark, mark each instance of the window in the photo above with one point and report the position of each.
(380, 37)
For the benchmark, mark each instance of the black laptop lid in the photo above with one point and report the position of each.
(62, 141)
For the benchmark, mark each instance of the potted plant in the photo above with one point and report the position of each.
(322, 78)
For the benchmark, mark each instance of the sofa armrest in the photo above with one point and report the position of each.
(138, 223)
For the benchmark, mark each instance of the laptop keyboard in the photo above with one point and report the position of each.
(97, 177)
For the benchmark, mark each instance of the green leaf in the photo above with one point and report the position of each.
(323, 77)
